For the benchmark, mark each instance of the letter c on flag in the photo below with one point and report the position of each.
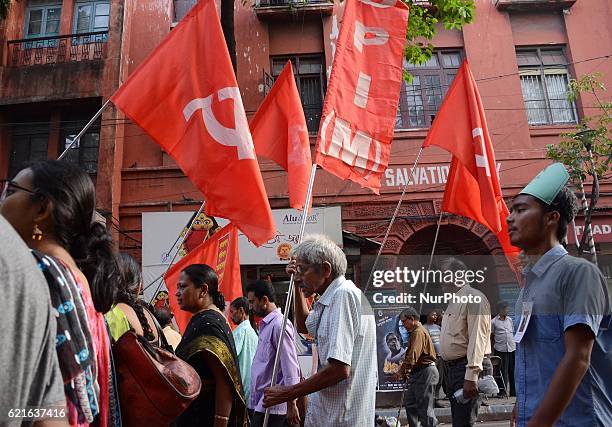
(239, 137)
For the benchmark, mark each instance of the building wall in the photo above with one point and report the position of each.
(135, 175)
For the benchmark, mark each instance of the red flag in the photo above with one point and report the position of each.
(360, 107)
(280, 134)
(220, 252)
(472, 189)
(185, 96)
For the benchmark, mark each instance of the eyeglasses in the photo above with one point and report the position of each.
(9, 188)
(301, 268)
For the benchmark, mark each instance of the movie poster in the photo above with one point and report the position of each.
(392, 341)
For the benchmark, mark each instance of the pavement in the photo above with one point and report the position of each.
(496, 410)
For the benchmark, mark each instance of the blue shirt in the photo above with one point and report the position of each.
(246, 339)
(565, 291)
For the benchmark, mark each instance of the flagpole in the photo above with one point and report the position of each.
(279, 347)
(193, 220)
(399, 411)
(575, 234)
(435, 241)
(397, 208)
(82, 132)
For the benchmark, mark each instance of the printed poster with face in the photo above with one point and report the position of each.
(392, 341)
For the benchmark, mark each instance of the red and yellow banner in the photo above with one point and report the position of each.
(220, 252)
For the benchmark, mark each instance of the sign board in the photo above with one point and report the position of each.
(601, 226)
(161, 235)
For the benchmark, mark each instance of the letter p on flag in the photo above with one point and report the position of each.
(360, 108)
(185, 96)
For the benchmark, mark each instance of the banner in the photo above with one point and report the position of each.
(220, 252)
(360, 108)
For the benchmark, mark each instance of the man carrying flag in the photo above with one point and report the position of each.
(473, 191)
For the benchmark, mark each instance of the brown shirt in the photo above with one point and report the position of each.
(421, 351)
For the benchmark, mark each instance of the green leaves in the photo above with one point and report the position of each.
(592, 133)
(424, 15)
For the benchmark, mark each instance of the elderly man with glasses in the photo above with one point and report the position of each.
(343, 391)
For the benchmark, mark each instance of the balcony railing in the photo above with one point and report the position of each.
(533, 5)
(57, 49)
(283, 9)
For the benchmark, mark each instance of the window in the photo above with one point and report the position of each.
(84, 152)
(91, 16)
(42, 18)
(29, 143)
(421, 98)
(308, 71)
(544, 79)
(181, 7)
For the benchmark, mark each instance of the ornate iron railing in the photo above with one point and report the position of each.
(57, 49)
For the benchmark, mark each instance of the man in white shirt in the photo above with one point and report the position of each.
(502, 332)
(343, 391)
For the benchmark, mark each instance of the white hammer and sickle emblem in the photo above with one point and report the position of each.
(240, 137)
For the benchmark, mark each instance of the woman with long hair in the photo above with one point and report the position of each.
(51, 205)
(130, 312)
(209, 347)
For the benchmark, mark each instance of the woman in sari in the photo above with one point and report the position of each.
(52, 204)
(208, 346)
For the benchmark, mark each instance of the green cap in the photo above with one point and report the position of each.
(548, 183)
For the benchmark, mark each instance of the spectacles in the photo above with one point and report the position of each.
(9, 188)
(301, 269)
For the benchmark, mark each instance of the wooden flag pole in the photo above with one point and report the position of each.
(82, 132)
(397, 208)
(289, 301)
(160, 278)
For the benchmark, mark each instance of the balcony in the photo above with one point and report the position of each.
(533, 5)
(270, 10)
(57, 49)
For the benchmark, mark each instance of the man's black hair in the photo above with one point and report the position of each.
(261, 288)
(501, 305)
(409, 312)
(392, 334)
(163, 315)
(241, 302)
(452, 264)
(566, 204)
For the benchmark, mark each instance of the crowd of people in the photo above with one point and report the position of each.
(70, 299)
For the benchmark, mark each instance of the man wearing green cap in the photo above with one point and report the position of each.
(564, 350)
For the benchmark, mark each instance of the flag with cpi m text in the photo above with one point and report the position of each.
(185, 96)
(360, 109)
(280, 134)
(472, 188)
(220, 252)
